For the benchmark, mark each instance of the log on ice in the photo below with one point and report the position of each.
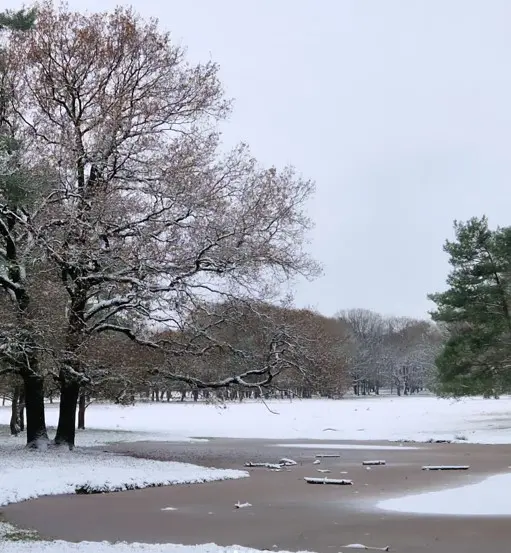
(325, 455)
(446, 467)
(264, 465)
(338, 481)
(373, 463)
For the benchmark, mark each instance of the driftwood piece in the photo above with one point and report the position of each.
(240, 505)
(326, 455)
(374, 463)
(264, 465)
(285, 462)
(338, 481)
(365, 547)
(446, 467)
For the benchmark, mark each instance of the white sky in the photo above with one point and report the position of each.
(398, 109)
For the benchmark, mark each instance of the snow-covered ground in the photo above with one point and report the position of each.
(25, 474)
(388, 418)
(96, 437)
(14, 541)
(486, 498)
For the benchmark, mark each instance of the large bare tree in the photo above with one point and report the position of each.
(146, 218)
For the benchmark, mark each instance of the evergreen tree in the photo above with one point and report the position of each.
(476, 311)
(21, 20)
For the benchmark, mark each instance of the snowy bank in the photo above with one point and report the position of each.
(26, 474)
(13, 540)
(385, 418)
(97, 437)
(486, 498)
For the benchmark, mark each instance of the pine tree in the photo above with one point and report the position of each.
(476, 311)
(21, 20)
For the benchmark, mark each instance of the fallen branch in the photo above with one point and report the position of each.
(366, 547)
(242, 505)
(326, 455)
(446, 467)
(339, 482)
(264, 465)
(285, 462)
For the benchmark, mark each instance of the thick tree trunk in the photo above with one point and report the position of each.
(21, 409)
(81, 411)
(15, 423)
(69, 392)
(37, 436)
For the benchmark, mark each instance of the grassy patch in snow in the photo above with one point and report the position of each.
(9, 532)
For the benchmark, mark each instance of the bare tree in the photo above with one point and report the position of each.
(367, 330)
(255, 346)
(411, 347)
(21, 186)
(145, 218)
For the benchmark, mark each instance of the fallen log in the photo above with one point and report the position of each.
(240, 505)
(366, 547)
(264, 465)
(326, 455)
(338, 481)
(446, 467)
(374, 463)
(285, 462)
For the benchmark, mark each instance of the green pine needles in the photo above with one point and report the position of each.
(476, 311)
(20, 20)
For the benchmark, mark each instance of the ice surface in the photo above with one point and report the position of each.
(488, 497)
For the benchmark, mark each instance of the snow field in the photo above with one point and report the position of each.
(26, 475)
(474, 420)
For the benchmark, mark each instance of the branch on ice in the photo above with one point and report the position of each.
(446, 467)
(326, 480)
(366, 547)
(242, 505)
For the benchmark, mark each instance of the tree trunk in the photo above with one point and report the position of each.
(37, 436)
(69, 392)
(81, 411)
(14, 424)
(21, 410)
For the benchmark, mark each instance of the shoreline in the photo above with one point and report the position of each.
(286, 512)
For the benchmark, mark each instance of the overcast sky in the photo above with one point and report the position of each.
(400, 110)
